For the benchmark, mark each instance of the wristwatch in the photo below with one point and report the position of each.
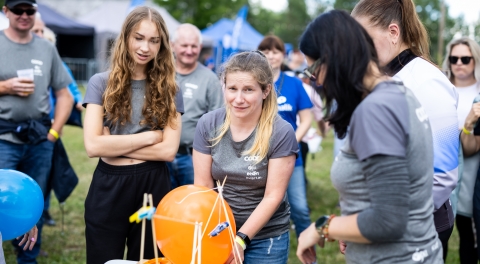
(321, 223)
(245, 238)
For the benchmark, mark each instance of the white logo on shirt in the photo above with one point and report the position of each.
(188, 94)
(38, 62)
(252, 174)
(419, 255)
(281, 99)
(191, 85)
(421, 114)
(251, 158)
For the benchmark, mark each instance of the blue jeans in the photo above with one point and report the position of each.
(297, 198)
(181, 170)
(35, 161)
(272, 250)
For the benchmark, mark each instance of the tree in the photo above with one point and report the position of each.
(201, 13)
(294, 21)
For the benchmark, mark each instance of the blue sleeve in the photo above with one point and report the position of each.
(73, 87)
(304, 101)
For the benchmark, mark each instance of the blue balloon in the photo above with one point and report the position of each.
(21, 203)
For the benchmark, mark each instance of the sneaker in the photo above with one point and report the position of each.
(47, 219)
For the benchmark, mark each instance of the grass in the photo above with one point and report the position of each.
(67, 245)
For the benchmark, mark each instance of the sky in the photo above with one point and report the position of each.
(470, 8)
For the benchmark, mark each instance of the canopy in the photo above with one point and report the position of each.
(248, 39)
(109, 16)
(63, 25)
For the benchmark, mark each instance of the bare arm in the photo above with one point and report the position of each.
(164, 150)
(17, 86)
(202, 167)
(279, 173)
(471, 143)
(305, 123)
(99, 145)
(63, 109)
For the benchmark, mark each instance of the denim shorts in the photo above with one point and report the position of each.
(272, 250)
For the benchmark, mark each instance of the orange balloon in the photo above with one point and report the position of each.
(175, 238)
(160, 261)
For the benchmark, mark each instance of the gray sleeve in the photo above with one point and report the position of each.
(179, 102)
(388, 184)
(2, 257)
(95, 89)
(201, 139)
(214, 94)
(380, 126)
(59, 76)
(283, 143)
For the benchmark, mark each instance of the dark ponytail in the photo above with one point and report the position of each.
(384, 12)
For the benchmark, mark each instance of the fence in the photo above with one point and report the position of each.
(82, 69)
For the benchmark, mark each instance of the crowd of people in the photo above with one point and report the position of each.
(408, 139)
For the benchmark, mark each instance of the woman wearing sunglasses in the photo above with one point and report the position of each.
(462, 65)
(402, 45)
(383, 173)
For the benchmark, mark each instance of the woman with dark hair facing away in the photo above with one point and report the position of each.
(292, 101)
(132, 123)
(403, 52)
(250, 144)
(462, 65)
(383, 172)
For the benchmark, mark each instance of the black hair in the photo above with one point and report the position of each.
(345, 49)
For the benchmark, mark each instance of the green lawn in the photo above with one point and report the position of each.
(67, 245)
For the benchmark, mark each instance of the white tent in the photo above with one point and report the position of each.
(3, 21)
(107, 19)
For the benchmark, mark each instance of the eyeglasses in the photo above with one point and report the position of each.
(313, 80)
(465, 60)
(20, 11)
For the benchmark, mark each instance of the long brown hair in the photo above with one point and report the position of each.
(159, 108)
(256, 64)
(384, 12)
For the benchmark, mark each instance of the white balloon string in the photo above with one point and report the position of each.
(194, 193)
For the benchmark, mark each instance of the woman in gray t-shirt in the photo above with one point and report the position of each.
(132, 124)
(253, 147)
(384, 172)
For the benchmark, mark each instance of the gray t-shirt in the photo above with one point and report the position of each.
(390, 121)
(2, 257)
(246, 181)
(94, 95)
(48, 70)
(202, 93)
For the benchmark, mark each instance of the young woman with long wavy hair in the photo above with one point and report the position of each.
(133, 124)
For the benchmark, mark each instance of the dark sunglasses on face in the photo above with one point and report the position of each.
(454, 59)
(19, 11)
(313, 80)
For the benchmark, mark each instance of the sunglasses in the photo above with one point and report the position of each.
(313, 80)
(19, 11)
(454, 59)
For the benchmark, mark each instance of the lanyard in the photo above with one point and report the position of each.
(279, 89)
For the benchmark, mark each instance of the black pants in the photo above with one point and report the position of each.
(444, 236)
(116, 192)
(467, 251)
(304, 152)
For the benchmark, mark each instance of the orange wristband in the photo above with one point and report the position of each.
(325, 229)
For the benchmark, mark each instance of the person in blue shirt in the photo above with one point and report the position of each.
(44, 32)
(292, 101)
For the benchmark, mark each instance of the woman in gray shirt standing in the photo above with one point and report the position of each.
(250, 144)
(383, 173)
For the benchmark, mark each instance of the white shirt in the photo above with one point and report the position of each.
(465, 101)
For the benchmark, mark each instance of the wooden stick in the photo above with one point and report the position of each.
(199, 244)
(155, 249)
(142, 242)
(194, 249)
(232, 235)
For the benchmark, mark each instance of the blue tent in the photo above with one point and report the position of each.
(249, 38)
